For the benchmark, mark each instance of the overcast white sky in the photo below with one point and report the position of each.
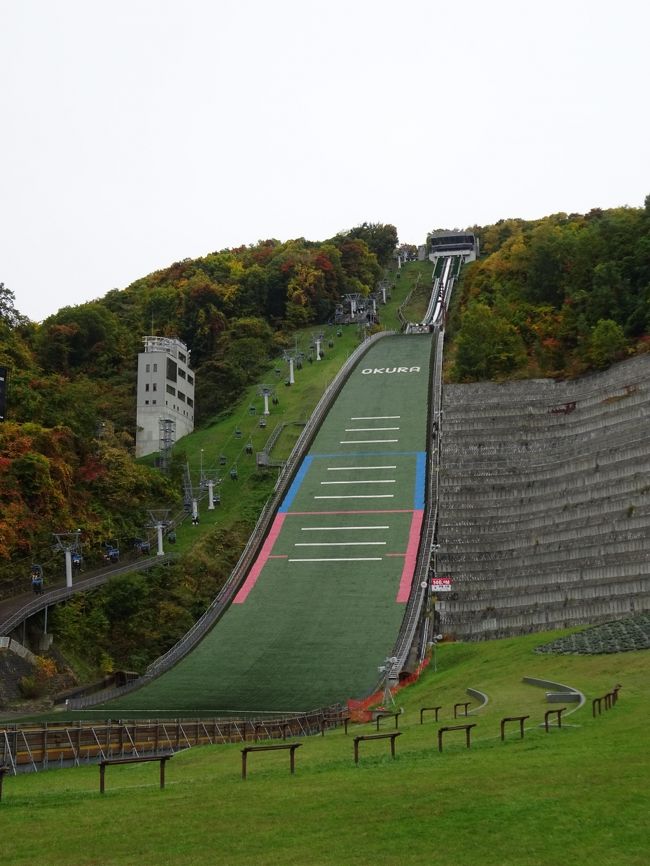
(134, 133)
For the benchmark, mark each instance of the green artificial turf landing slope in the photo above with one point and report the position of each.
(321, 611)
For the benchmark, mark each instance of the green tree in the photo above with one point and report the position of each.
(487, 345)
(607, 343)
(9, 315)
(381, 239)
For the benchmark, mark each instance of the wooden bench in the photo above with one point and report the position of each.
(290, 746)
(520, 719)
(558, 713)
(3, 772)
(423, 710)
(466, 728)
(381, 716)
(392, 737)
(105, 762)
(461, 704)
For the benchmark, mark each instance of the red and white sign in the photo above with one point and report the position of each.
(441, 584)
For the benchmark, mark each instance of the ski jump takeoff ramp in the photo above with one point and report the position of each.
(322, 605)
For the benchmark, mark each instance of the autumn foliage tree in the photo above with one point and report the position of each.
(576, 289)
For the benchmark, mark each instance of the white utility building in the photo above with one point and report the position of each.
(165, 395)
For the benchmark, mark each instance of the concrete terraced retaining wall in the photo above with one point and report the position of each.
(544, 518)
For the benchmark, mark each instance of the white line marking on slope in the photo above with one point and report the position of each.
(339, 543)
(365, 441)
(360, 496)
(329, 528)
(346, 468)
(374, 481)
(341, 559)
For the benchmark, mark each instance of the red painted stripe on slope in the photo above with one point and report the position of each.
(411, 557)
(260, 562)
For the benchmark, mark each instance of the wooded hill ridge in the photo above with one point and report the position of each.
(550, 297)
(67, 444)
(553, 297)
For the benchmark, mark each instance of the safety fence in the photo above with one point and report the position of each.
(33, 747)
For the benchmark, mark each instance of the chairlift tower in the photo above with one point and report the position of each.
(318, 339)
(211, 497)
(292, 358)
(205, 483)
(158, 520)
(68, 542)
(266, 391)
(353, 299)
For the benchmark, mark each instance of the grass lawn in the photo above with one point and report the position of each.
(419, 301)
(577, 795)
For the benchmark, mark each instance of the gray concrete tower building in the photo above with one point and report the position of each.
(165, 394)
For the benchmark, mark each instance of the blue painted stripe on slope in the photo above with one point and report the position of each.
(287, 502)
(420, 478)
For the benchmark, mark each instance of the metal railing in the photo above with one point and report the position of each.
(32, 747)
(420, 594)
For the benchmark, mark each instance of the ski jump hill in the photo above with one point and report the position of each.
(322, 604)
